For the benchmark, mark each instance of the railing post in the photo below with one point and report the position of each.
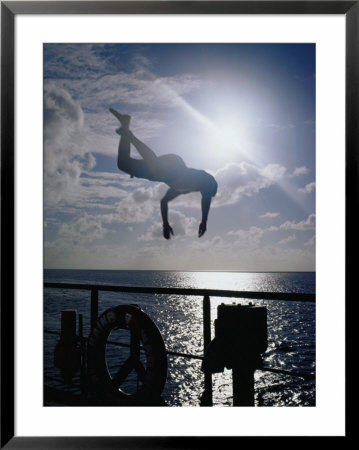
(94, 307)
(207, 395)
(243, 385)
(83, 362)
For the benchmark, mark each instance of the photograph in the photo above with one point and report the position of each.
(179, 224)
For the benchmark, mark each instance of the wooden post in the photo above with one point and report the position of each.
(94, 307)
(207, 396)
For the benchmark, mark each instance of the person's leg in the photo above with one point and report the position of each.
(124, 162)
(149, 157)
(123, 157)
(123, 118)
(146, 153)
(161, 167)
(135, 167)
(151, 166)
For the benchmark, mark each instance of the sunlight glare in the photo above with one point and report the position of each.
(226, 139)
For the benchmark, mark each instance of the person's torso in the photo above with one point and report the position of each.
(187, 180)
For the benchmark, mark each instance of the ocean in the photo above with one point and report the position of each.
(291, 329)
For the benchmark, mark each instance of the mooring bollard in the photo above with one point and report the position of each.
(240, 339)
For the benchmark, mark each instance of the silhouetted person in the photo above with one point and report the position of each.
(169, 169)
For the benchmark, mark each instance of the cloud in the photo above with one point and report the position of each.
(269, 215)
(66, 153)
(304, 225)
(273, 172)
(287, 240)
(300, 171)
(134, 207)
(135, 89)
(210, 251)
(74, 61)
(102, 125)
(95, 75)
(247, 238)
(83, 229)
(308, 188)
(310, 242)
(237, 180)
(59, 110)
(68, 175)
(181, 225)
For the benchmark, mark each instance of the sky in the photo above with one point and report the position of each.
(243, 112)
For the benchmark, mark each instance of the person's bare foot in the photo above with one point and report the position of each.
(123, 118)
(123, 131)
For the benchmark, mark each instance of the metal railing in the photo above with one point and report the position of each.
(206, 305)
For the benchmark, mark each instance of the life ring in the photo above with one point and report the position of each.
(105, 389)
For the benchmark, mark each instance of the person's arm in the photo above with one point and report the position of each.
(205, 203)
(170, 195)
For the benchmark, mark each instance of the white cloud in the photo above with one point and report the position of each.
(68, 178)
(130, 210)
(273, 172)
(210, 250)
(287, 240)
(300, 171)
(247, 238)
(308, 224)
(181, 225)
(310, 242)
(83, 229)
(66, 153)
(102, 125)
(308, 188)
(237, 180)
(208, 254)
(269, 215)
(138, 88)
(74, 61)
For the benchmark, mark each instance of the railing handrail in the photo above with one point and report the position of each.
(284, 296)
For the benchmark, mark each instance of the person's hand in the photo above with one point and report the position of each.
(167, 231)
(202, 229)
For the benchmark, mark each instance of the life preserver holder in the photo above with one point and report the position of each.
(102, 387)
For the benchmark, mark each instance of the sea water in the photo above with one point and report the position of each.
(291, 329)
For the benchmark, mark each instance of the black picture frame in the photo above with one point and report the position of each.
(9, 9)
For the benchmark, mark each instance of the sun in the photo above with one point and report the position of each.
(225, 139)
